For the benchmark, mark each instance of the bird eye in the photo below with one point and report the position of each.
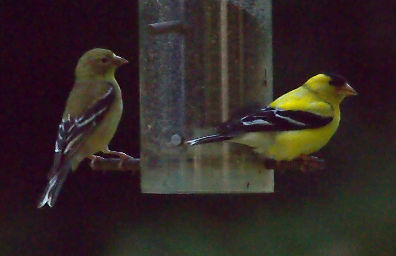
(104, 60)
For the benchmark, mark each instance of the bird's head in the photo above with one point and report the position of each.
(98, 63)
(331, 87)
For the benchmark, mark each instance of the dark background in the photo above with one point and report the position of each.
(347, 209)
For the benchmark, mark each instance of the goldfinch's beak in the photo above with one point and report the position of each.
(347, 90)
(119, 61)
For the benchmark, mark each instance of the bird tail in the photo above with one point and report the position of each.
(208, 139)
(55, 183)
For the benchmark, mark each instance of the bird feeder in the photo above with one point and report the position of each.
(201, 61)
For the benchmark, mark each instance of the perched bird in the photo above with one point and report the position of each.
(295, 125)
(93, 111)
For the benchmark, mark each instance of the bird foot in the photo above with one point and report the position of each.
(304, 163)
(94, 159)
(123, 157)
(310, 163)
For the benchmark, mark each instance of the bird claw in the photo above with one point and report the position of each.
(93, 161)
(311, 163)
(123, 158)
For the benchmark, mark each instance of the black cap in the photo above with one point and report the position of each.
(336, 79)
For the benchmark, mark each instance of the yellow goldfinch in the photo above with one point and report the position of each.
(93, 111)
(296, 124)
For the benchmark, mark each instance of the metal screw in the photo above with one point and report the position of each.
(176, 140)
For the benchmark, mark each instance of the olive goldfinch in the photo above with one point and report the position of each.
(296, 124)
(93, 111)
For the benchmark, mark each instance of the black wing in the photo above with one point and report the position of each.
(72, 129)
(273, 119)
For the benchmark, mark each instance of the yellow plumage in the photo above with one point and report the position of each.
(299, 122)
